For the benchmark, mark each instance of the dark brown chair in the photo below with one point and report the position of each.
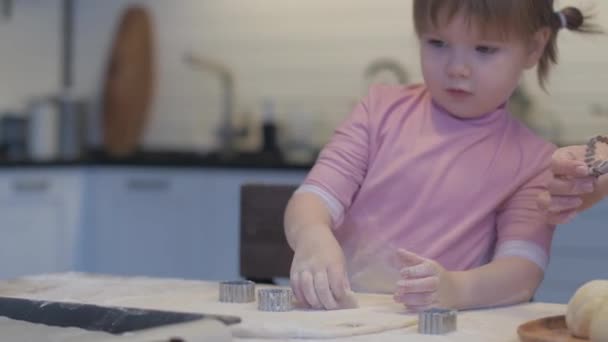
(264, 252)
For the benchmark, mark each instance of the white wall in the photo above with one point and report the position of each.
(29, 52)
(307, 56)
(580, 80)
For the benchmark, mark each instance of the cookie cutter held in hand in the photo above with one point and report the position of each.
(597, 167)
(437, 321)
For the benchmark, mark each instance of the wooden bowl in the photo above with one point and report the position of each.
(548, 329)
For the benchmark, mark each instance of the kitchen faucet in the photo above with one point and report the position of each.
(226, 132)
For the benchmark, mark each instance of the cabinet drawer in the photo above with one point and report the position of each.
(39, 183)
(138, 183)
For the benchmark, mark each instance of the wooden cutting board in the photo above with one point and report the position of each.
(548, 329)
(129, 82)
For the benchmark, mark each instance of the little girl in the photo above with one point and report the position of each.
(429, 192)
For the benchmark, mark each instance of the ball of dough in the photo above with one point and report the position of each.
(598, 332)
(584, 305)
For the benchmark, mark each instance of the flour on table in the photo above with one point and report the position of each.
(374, 314)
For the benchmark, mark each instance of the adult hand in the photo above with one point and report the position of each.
(571, 188)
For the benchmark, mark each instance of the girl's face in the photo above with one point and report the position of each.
(470, 72)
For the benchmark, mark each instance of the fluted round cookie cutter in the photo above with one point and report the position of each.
(238, 291)
(275, 299)
(437, 321)
(597, 167)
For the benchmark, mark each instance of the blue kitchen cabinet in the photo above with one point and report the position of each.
(579, 254)
(40, 216)
(143, 222)
(222, 201)
(168, 222)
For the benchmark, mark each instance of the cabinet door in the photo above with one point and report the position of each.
(57, 188)
(580, 253)
(33, 234)
(166, 222)
(144, 222)
(220, 201)
(39, 218)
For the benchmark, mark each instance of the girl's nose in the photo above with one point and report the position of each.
(458, 67)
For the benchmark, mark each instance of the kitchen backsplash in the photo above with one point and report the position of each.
(306, 58)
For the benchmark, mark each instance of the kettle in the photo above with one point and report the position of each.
(42, 130)
(56, 128)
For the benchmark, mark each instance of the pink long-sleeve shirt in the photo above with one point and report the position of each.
(401, 172)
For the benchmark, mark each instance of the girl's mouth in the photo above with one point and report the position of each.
(458, 93)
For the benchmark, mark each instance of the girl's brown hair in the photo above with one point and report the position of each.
(507, 17)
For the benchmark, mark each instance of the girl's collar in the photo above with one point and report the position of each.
(484, 119)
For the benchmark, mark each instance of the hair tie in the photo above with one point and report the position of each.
(563, 19)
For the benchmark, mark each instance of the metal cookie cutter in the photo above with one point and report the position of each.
(597, 167)
(437, 321)
(275, 300)
(239, 291)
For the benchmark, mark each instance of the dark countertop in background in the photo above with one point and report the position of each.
(257, 160)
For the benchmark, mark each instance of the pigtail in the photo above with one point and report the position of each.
(569, 18)
(573, 19)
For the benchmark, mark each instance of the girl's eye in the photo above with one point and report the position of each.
(436, 43)
(486, 50)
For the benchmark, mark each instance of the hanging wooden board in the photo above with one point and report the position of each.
(129, 83)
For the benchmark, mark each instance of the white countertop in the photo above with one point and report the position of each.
(378, 312)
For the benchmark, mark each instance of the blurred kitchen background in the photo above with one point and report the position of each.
(128, 128)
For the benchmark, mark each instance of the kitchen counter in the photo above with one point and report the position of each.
(383, 317)
(172, 159)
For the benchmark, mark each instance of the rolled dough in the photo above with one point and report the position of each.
(598, 331)
(584, 306)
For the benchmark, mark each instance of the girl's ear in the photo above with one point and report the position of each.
(537, 46)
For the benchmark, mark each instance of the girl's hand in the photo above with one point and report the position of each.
(424, 283)
(318, 272)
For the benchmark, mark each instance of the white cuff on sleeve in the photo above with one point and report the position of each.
(336, 210)
(525, 249)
